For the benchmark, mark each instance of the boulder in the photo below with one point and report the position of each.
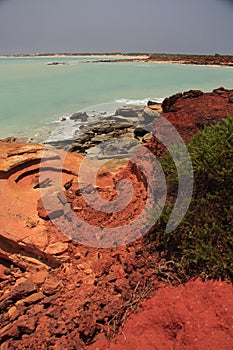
(130, 111)
(84, 138)
(100, 138)
(81, 116)
(123, 125)
(103, 129)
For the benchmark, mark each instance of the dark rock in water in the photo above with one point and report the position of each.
(55, 63)
(140, 132)
(82, 116)
(10, 139)
(130, 111)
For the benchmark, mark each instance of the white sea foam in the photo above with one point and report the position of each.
(67, 128)
(64, 131)
(142, 102)
(143, 65)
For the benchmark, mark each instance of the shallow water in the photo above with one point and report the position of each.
(34, 95)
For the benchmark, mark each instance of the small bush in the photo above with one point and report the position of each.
(202, 244)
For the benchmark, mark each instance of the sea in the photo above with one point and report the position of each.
(39, 94)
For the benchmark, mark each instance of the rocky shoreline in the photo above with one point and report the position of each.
(96, 137)
(207, 60)
(59, 294)
(217, 59)
(132, 125)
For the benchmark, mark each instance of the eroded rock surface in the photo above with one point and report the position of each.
(192, 110)
(57, 293)
(112, 137)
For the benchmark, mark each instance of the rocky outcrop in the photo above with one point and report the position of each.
(168, 104)
(117, 135)
(79, 116)
(58, 293)
(220, 60)
(130, 111)
(43, 272)
(192, 110)
(100, 134)
(25, 242)
(55, 63)
(150, 114)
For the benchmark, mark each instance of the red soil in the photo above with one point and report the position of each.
(59, 294)
(191, 111)
(195, 316)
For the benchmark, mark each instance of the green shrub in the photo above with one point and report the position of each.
(202, 244)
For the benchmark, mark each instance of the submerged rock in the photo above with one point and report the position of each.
(81, 116)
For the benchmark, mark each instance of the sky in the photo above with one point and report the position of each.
(168, 26)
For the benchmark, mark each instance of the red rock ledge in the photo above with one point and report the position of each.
(58, 294)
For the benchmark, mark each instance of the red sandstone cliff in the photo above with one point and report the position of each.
(59, 294)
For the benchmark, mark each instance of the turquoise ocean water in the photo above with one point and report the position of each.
(35, 95)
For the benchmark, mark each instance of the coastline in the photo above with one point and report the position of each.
(77, 55)
(44, 269)
(200, 60)
(41, 119)
(203, 60)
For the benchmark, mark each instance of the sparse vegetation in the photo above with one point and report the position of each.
(202, 244)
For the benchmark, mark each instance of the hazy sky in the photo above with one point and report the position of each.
(178, 26)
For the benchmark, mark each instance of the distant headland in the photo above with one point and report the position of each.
(216, 59)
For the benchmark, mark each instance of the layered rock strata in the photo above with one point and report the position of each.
(57, 293)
